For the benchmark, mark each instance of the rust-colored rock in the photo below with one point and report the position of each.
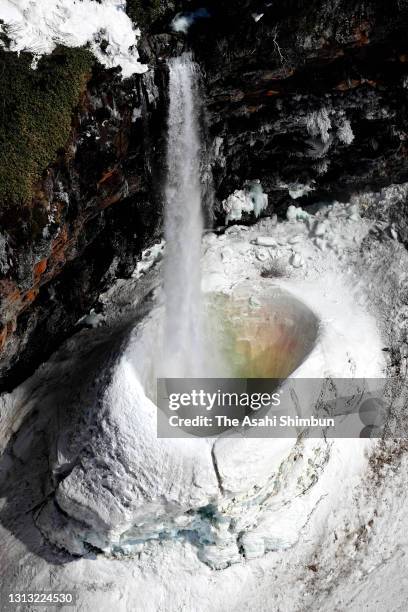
(349, 84)
(39, 270)
(361, 34)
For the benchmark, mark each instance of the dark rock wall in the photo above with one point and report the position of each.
(311, 95)
(97, 206)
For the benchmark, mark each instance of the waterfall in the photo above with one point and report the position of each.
(183, 224)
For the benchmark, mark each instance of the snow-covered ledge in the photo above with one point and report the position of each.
(38, 27)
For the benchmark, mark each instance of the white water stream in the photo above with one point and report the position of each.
(183, 224)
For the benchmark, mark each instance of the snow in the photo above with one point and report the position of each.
(100, 492)
(312, 517)
(131, 488)
(92, 319)
(297, 190)
(296, 213)
(345, 132)
(183, 21)
(38, 27)
(148, 258)
(267, 241)
(318, 124)
(316, 276)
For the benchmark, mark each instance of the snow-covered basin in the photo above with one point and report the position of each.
(231, 494)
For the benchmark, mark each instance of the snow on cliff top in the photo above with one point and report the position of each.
(38, 27)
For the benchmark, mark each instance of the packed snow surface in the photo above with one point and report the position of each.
(38, 27)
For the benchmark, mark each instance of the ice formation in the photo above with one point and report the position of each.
(133, 489)
(248, 200)
(318, 124)
(279, 508)
(38, 27)
(345, 132)
(297, 190)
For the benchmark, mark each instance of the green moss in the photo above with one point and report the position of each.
(35, 116)
(144, 12)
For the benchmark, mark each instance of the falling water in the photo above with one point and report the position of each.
(183, 223)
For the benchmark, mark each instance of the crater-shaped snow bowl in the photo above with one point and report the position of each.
(263, 336)
(268, 334)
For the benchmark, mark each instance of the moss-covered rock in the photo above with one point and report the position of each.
(144, 12)
(35, 116)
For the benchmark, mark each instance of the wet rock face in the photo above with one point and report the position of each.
(95, 209)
